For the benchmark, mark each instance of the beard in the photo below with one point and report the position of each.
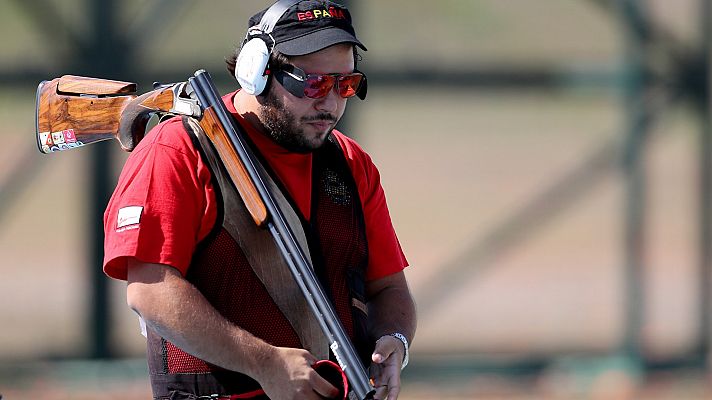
(282, 126)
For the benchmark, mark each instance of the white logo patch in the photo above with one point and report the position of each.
(128, 218)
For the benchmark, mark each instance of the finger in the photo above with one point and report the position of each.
(381, 393)
(310, 359)
(394, 383)
(322, 387)
(393, 392)
(375, 372)
(385, 346)
(378, 358)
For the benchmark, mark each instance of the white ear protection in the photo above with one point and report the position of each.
(251, 63)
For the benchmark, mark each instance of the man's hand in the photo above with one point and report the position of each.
(177, 311)
(288, 375)
(390, 309)
(386, 368)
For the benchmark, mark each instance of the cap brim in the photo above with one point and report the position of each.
(316, 41)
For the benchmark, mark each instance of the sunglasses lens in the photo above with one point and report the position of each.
(348, 84)
(318, 86)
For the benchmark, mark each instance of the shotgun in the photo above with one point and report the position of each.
(73, 111)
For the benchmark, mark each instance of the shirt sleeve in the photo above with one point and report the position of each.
(162, 206)
(385, 255)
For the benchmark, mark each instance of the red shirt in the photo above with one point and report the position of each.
(164, 203)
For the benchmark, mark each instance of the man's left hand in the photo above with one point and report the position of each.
(385, 371)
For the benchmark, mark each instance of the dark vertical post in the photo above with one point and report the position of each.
(634, 175)
(103, 58)
(702, 87)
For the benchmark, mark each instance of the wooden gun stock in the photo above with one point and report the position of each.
(74, 111)
(234, 166)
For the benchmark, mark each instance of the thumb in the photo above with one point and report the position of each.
(384, 348)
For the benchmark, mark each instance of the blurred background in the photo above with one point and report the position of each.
(547, 166)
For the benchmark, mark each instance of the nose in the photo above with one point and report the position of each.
(331, 102)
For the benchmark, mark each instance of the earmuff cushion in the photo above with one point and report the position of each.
(251, 65)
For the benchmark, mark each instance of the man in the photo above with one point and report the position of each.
(212, 327)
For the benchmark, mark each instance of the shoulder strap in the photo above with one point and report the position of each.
(261, 250)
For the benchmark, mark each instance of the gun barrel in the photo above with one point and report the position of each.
(300, 266)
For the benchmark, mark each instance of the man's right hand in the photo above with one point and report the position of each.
(288, 375)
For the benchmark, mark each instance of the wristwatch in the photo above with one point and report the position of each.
(403, 339)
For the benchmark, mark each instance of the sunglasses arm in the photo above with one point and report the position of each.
(362, 87)
(296, 84)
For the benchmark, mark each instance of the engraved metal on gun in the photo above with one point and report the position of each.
(184, 101)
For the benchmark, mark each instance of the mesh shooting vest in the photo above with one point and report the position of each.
(222, 271)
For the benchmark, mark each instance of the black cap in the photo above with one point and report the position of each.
(310, 26)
